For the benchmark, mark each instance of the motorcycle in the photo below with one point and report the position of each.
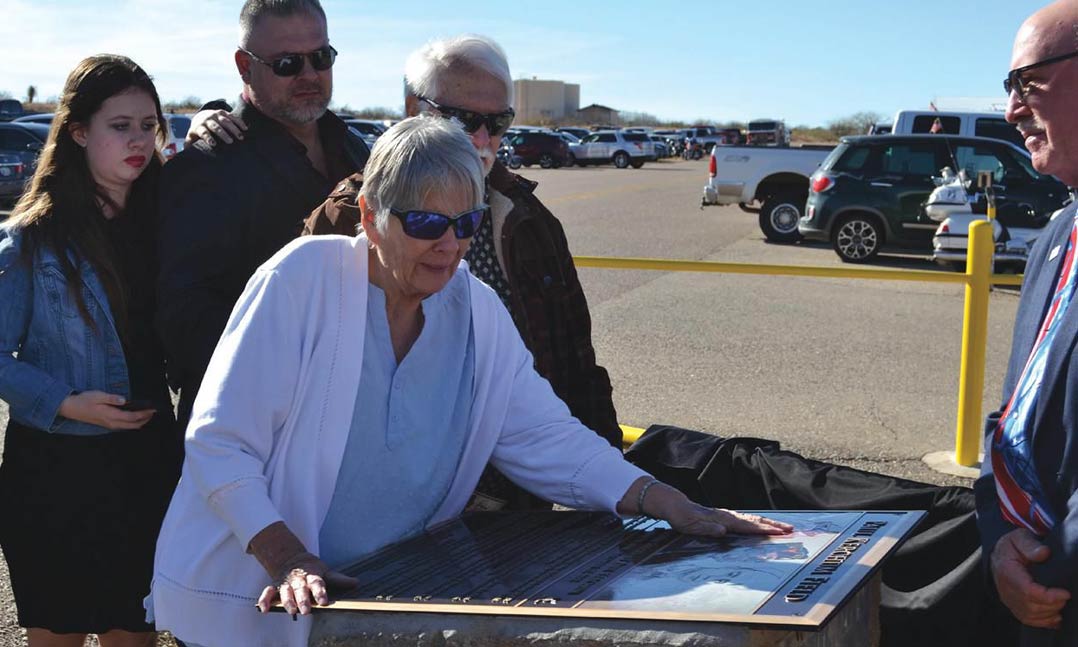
(692, 150)
(507, 156)
(956, 205)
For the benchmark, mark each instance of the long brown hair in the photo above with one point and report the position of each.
(62, 208)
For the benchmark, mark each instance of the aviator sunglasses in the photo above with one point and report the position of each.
(496, 122)
(1014, 80)
(292, 64)
(430, 225)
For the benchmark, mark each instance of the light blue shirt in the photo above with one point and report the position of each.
(409, 427)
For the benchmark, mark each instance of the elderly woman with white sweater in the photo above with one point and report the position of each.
(359, 389)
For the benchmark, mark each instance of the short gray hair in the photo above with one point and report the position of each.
(415, 158)
(425, 65)
(255, 10)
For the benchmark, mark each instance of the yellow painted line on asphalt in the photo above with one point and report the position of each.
(668, 265)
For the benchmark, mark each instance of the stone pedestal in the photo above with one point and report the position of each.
(856, 624)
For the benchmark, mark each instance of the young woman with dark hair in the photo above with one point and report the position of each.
(91, 450)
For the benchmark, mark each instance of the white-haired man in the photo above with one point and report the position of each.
(520, 250)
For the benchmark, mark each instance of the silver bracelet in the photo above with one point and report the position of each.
(643, 493)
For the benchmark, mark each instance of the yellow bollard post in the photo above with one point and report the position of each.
(974, 341)
(630, 435)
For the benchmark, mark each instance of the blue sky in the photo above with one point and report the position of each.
(806, 62)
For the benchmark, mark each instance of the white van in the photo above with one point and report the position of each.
(967, 124)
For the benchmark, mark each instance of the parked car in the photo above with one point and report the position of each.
(10, 109)
(674, 140)
(870, 191)
(771, 182)
(571, 141)
(37, 118)
(882, 128)
(767, 132)
(662, 147)
(368, 129)
(965, 124)
(13, 178)
(178, 125)
(706, 136)
(24, 141)
(578, 131)
(732, 137)
(547, 149)
(614, 147)
(366, 126)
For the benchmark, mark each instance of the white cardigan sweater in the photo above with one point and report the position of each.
(272, 417)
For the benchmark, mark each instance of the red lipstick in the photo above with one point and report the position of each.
(136, 161)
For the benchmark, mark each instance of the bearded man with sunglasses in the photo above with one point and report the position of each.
(520, 250)
(1027, 494)
(226, 209)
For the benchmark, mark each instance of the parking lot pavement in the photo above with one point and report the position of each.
(863, 373)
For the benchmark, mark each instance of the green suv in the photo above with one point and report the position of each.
(869, 192)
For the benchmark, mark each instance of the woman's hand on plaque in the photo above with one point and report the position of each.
(651, 497)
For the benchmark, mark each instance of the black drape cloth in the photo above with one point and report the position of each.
(934, 587)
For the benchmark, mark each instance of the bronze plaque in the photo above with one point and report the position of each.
(588, 564)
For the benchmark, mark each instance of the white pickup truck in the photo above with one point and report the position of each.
(773, 182)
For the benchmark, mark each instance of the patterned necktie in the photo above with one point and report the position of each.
(1021, 495)
(483, 261)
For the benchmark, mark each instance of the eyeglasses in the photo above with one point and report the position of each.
(429, 225)
(1015, 82)
(496, 122)
(292, 64)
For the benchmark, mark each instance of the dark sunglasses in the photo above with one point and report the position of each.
(429, 225)
(1015, 82)
(496, 122)
(292, 64)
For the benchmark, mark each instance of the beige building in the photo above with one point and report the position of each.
(539, 101)
(597, 114)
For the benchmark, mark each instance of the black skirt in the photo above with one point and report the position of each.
(79, 518)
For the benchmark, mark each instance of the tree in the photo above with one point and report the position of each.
(31, 94)
(629, 118)
(187, 104)
(856, 124)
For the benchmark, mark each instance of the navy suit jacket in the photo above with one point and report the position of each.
(1054, 422)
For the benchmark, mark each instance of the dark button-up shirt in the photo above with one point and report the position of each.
(225, 210)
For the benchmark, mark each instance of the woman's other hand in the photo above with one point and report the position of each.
(299, 578)
(103, 409)
(212, 126)
(656, 499)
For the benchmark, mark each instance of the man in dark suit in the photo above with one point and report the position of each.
(1027, 495)
(226, 209)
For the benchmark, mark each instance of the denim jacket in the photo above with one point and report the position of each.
(47, 351)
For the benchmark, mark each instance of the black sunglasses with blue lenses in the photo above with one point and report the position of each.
(496, 122)
(430, 225)
(292, 64)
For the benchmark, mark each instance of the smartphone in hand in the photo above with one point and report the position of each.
(137, 404)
